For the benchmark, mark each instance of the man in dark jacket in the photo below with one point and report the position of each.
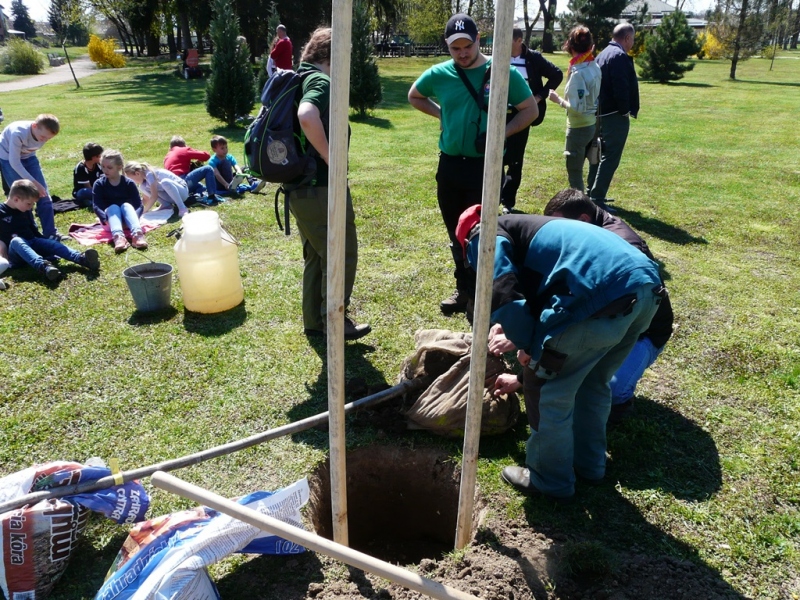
(534, 68)
(618, 102)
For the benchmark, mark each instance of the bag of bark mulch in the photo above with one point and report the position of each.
(444, 356)
(37, 541)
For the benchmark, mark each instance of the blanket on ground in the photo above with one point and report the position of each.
(97, 233)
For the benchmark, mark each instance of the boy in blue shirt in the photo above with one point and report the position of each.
(24, 242)
(228, 174)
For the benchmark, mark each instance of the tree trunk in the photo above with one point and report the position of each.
(796, 28)
(200, 48)
(549, 19)
(153, 45)
(738, 41)
(186, 34)
(173, 46)
(69, 62)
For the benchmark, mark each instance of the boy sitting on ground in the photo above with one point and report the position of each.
(24, 242)
(228, 174)
(85, 174)
(179, 161)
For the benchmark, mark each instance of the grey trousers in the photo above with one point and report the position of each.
(614, 131)
(575, 153)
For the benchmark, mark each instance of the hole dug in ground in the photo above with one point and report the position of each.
(402, 503)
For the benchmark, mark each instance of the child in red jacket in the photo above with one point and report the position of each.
(179, 161)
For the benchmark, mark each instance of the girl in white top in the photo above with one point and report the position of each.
(159, 184)
(580, 101)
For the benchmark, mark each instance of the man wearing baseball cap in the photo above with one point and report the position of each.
(461, 87)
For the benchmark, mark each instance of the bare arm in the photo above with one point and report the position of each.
(311, 124)
(424, 104)
(528, 111)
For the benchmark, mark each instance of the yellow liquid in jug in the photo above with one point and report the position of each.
(209, 275)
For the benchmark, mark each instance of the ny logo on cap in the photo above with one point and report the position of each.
(459, 25)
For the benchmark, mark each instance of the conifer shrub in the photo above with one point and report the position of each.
(365, 83)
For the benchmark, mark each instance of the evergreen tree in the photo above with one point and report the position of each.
(672, 42)
(230, 91)
(600, 16)
(22, 20)
(365, 83)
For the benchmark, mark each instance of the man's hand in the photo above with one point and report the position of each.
(498, 342)
(506, 384)
(523, 357)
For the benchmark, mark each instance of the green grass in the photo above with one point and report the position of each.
(709, 468)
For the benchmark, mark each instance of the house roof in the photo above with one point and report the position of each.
(654, 7)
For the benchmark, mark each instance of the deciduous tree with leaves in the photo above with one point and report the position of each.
(667, 49)
(230, 91)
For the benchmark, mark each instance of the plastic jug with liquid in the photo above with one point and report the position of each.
(208, 264)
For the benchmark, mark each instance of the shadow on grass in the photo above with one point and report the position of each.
(657, 228)
(373, 121)
(658, 448)
(784, 83)
(151, 318)
(268, 577)
(215, 324)
(362, 379)
(395, 91)
(159, 89)
(690, 84)
(84, 577)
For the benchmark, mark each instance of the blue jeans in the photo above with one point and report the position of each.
(575, 396)
(623, 384)
(115, 215)
(44, 206)
(30, 252)
(192, 179)
(83, 197)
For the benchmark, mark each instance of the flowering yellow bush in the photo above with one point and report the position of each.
(104, 53)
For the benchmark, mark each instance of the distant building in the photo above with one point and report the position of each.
(657, 9)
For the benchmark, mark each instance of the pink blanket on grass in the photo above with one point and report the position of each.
(97, 233)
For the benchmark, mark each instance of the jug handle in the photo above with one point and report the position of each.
(235, 242)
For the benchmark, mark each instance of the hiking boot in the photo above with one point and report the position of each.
(454, 304)
(520, 478)
(138, 241)
(50, 272)
(353, 331)
(120, 243)
(90, 260)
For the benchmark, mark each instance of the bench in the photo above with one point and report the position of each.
(55, 60)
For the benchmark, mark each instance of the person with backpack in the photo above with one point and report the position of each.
(308, 201)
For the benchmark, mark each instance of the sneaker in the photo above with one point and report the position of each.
(3, 285)
(218, 199)
(520, 479)
(504, 210)
(454, 304)
(259, 186)
(183, 211)
(138, 241)
(90, 260)
(50, 272)
(120, 243)
(57, 237)
(353, 331)
(236, 181)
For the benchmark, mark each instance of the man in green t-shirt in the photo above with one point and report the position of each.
(459, 178)
(309, 203)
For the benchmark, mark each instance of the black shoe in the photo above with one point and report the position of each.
(314, 333)
(90, 260)
(520, 478)
(50, 272)
(454, 304)
(353, 331)
(620, 412)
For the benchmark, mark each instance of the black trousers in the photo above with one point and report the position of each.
(459, 185)
(513, 159)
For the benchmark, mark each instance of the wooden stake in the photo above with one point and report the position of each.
(492, 172)
(337, 202)
(309, 540)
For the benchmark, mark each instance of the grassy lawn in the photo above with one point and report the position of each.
(708, 469)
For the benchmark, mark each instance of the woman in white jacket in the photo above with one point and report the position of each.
(580, 100)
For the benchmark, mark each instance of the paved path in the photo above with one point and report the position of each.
(83, 68)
